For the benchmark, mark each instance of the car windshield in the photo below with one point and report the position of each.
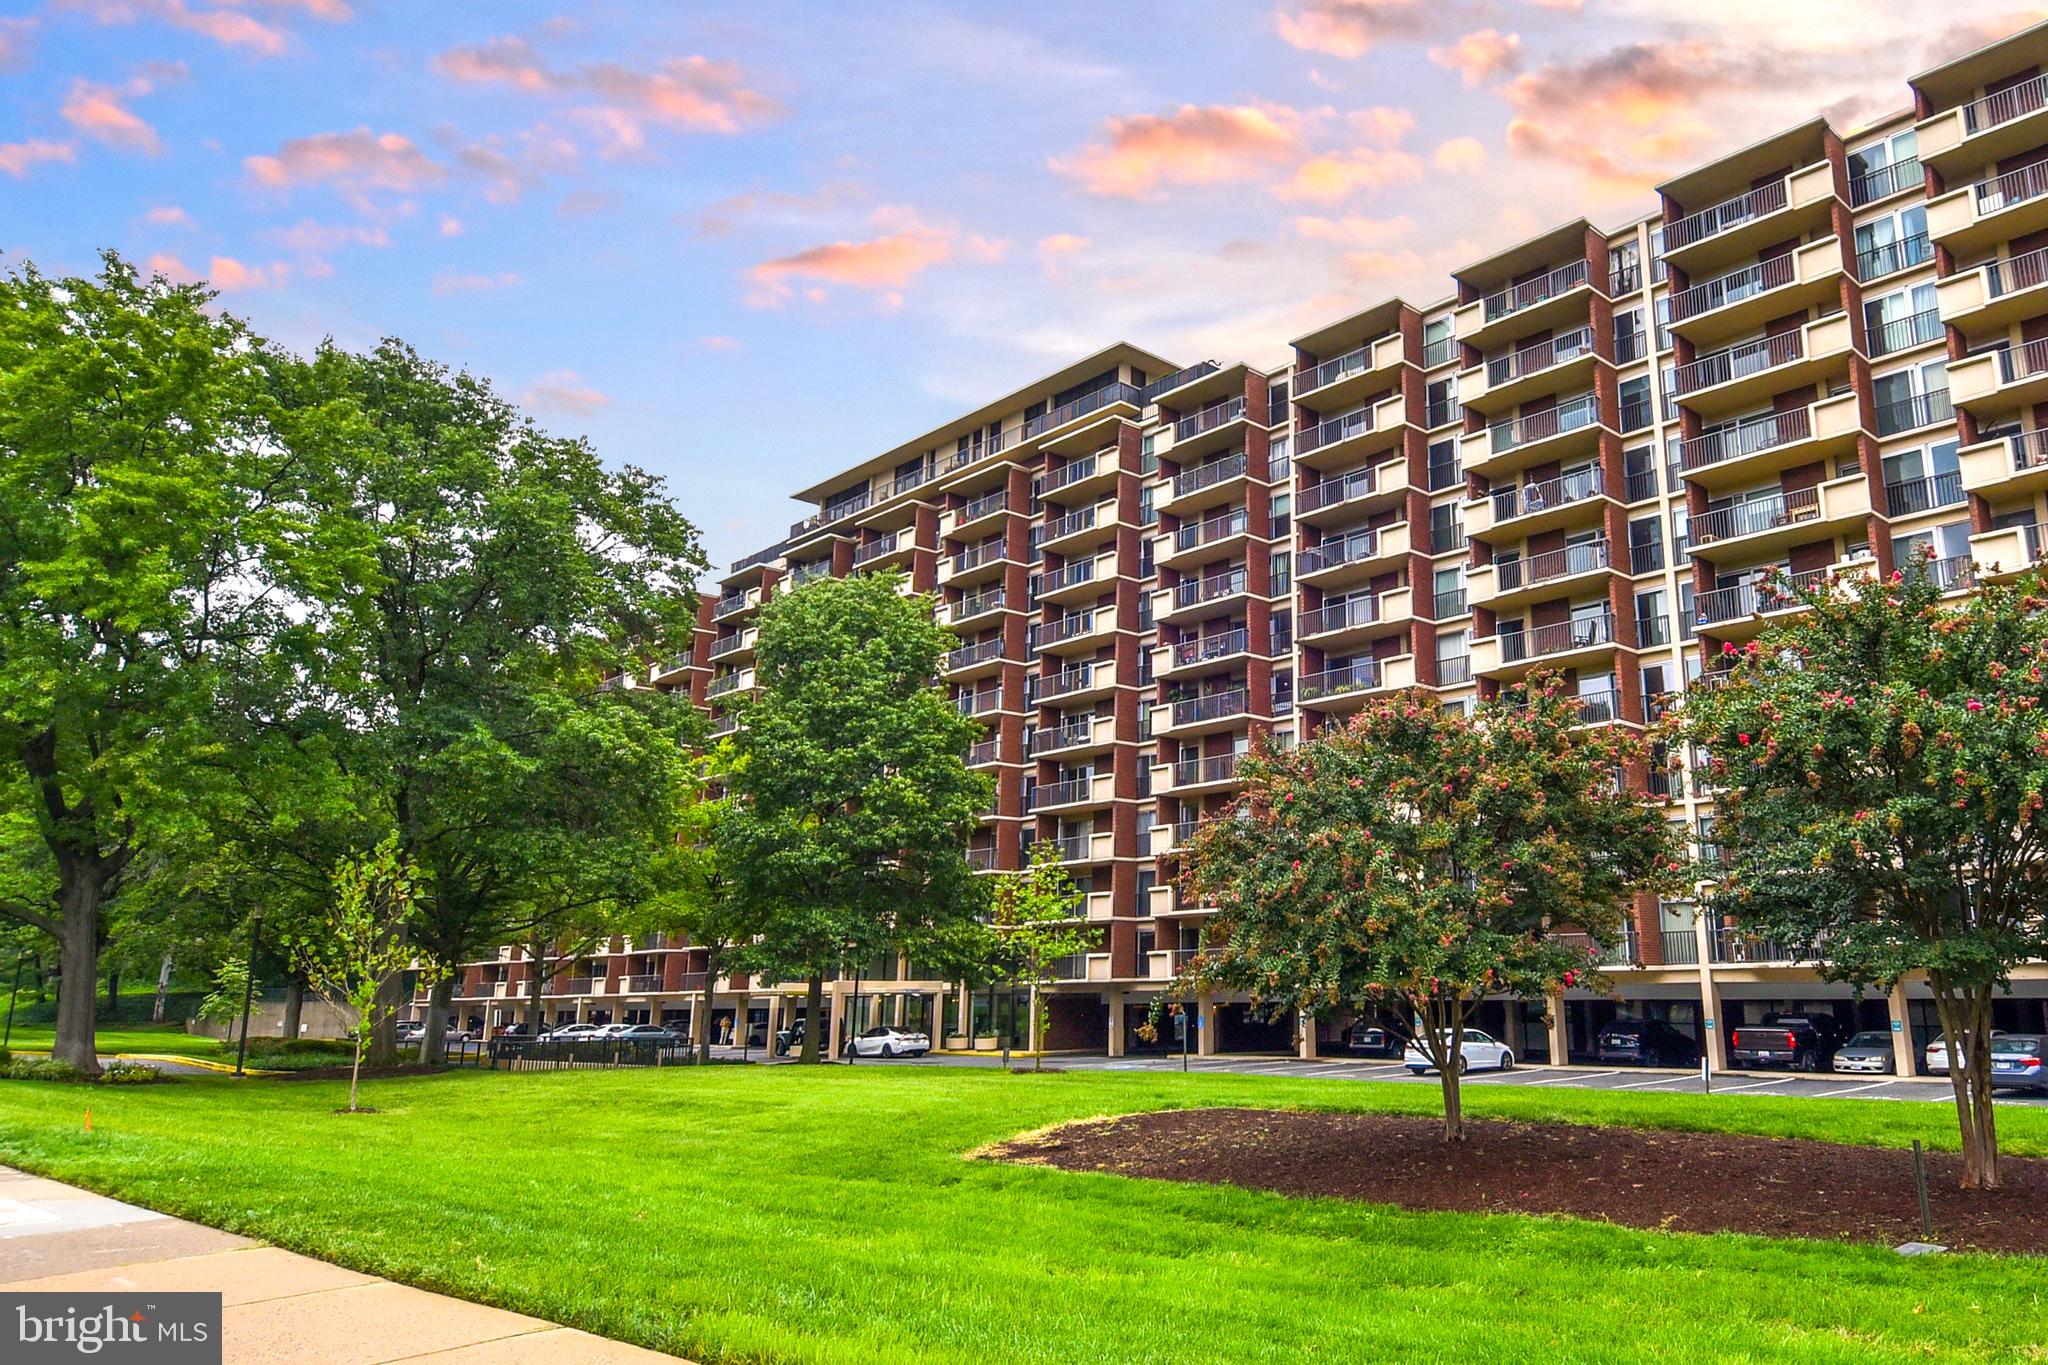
(1871, 1038)
(2015, 1044)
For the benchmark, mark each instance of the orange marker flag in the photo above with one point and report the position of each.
(88, 1120)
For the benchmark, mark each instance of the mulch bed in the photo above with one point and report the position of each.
(1669, 1181)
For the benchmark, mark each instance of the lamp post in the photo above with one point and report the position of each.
(248, 988)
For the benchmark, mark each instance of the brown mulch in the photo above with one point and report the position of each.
(1669, 1181)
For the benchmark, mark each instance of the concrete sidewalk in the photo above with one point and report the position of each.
(278, 1308)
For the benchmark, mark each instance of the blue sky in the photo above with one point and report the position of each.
(743, 244)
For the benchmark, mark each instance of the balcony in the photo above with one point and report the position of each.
(1985, 131)
(1203, 715)
(1971, 220)
(1558, 297)
(1203, 653)
(888, 550)
(1069, 738)
(1889, 258)
(2009, 463)
(1354, 558)
(1216, 427)
(975, 608)
(1082, 682)
(1081, 848)
(984, 752)
(1353, 436)
(734, 603)
(1198, 776)
(1742, 454)
(1344, 380)
(1762, 527)
(2009, 550)
(1783, 210)
(1180, 378)
(1928, 493)
(1343, 499)
(1204, 485)
(1996, 293)
(1749, 373)
(1509, 655)
(1081, 480)
(1993, 383)
(1515, 513)
(1078, 793)
(1743, 300)
(1198, 597)
(975, 564)
(1218, 537)
(1104, 404)
(983, 701)
(1511, 582)
(1349, 686)
(985, 656)
(1563, 362)
(727, 646)
(1356, 620)
(1084, 580)
(1571, 428)
(731, 684)
(980, 515)
(1744, 610)
(1082, 528)
(1076, 632)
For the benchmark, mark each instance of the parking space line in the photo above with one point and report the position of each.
(1660, 1080)
(1576, 1076)
(1755, 1085)
(1854, 1089)
(1515, 1077)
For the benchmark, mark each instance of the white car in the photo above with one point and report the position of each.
(1480, 1051)
(569, 1033)
(891, 1042)
(1936, 1061)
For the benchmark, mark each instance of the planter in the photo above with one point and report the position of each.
(985, 1045)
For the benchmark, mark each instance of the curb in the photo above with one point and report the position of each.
(203, 1063)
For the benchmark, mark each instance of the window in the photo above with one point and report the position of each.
(1279, 460)
(1661, 310)
(1901, 320)
(1446, 528)
(1639, 466)
(1148, 515)
(1912, 398)
(1681, 547)
(1625, 268)
(1454, 658)
(1898, 241)
(1920, 480)
(1658, 270)
(1635, 403)
(1450, 592)
(1439, 347)
(1442, 396)
(1630, 343)
(1283, 576)
(1283, 694)
(1653, 624)
(1282, 507)
(1444, 469)
(1276, 403)
(1884, 168)
(1645, 545)
(1950, 547)
(1148, 454)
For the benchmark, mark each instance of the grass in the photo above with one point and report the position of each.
(826, 1215)
(114, 1038)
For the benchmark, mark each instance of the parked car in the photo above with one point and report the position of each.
(2020, 1059)
(1646, 1042)
(640, 1033)
(882, 1041)
(1370, 1040)
(1936, 1061)
(1868, 1051)
(413, 1030)
(1480, 1051)
(1802, 1042)
(570, 1033)
(790, 1038)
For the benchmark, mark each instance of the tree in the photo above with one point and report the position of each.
(1424, 858)
(1879, 763)
(1033, 924)
(354, 956)
(855, 798)
(165, 517)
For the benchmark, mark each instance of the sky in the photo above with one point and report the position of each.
(743, 245)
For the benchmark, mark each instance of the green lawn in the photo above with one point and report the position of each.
(772, 1214)
(112, 1038)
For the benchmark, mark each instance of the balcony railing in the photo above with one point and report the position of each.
(649, 981)
(1581, 411)
(1729, 213)
(1734, 362)
(1356, 676)
(1335, 430)
(1440, 352)
(1541, 356)
(1885, 181)
(966, 656)
(1558, 637)
(804, 573)
(1063, 736)
(1442, 412)
(1066, 681)
(1733, 287)
(1070, 473)
(1729, 944)
(1081, 520)
(1445, 474)
(1208, 419)
(1082, 406)
(1189, 771)
(730, 603)
(574, 985)
(1215, 706)
(2029, 449)
(978, 703)
(1330, 371)
(731, 682)
(978, 555)
(1544, 494)
(1909, 497)
(838, 511)
(1177, 378)
(1201, 649)
(730, 644)
(1208, 475)
(1745, 438)
(1890, 258)
(1345, 615)
(983, 506)
(1060, 793)
(1532, 292)
(1681, 947)
(1064, 628)
(980, 448)
(1760, 514)
(2006, 105)
(1449, 604)
(1584, 557)
(1081, 571)
(1919, 410)
(1358, 483)
(1454, 670)
(2014, 187)
(1207, 532)
(1916, 329)
(967, 608)
(1331, 554)
(2023, 271)
(1208, 589)
(981, 859)
(874, 550)
(2023, 361)
(984, 751)
(1744, 600)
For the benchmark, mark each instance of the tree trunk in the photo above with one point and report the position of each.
(294, 1005)
(814, 1009)
(1965, 1015)
(710, 975)
(1443, 1022)
(434, 1041)
(113, 992)
(537, 956)
(163, 991)
(42, 978)
(78, 962)
(1037, 1035)
(355, 1073)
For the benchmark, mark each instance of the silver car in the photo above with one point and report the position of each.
(1868, 1052)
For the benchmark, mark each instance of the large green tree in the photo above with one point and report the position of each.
(166, 514)
(854, 798)
(1424, 859)
(1880, 762)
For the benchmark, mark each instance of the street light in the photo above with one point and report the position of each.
(248, 988)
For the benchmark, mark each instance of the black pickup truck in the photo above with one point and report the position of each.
(1803, 1042)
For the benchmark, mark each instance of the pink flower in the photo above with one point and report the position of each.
(1743, 739)
(1727, 647)
(1973, 705)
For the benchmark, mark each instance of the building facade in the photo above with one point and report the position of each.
(1821, 352)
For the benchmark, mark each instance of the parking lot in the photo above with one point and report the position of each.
(1795, 1084)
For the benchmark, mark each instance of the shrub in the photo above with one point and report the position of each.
(40, 1069)
(130, 1073)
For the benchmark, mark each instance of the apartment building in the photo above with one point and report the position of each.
(1820, 352)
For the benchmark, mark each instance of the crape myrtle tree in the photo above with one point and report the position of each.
(164, 514)
(1879, 764)
(1036, 921)
(1424, 859)
(853, 798)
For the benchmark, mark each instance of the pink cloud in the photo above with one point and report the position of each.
(718, 343)
(451, 226)
(1478, 57)
(311, 237)
(1382, 125)
(14, 41)
(879, 263)
(227, 27)
(565, 391)
(1460, 155)
(354, 161)
(1194, 145)
(97, 112)
(449, 283)
(168, 215)
(1350, 28)
(230, 276)
(17, 157)
(1339, 175)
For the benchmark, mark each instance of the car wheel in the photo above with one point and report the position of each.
(1507, 1061)
(888, 1049)
(1463, 1065)
(1417, 1070)
(1809, 1061)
